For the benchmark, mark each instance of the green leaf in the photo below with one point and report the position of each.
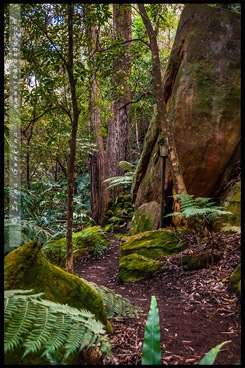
(54, 360)
(211, 355)
(151, 354)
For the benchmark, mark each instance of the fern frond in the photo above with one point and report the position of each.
(37, 325)
(116, 306)
(231, 228)
(127, 166)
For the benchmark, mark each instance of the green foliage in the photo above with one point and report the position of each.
(151, 354)
(116, 306)
(200, 213)
(211, 355)
(39, 325)
(231, 229)
(90, 238)
(27, 230)
(54, 360)
(126, 180)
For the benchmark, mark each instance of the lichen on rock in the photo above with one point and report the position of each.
(26, 268)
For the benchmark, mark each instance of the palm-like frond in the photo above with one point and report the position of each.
(127, 166)
(127, 179)
(40, 325)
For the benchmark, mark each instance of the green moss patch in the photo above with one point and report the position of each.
(134, 267)
(119, 213)
(234, 284)
(88, 239)
(153, 244)
(26, 268)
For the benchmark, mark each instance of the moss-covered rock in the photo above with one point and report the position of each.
(86, 240)
(120, 212)
(232, 203)
(201, 261)
(135, 267)
(234, 284)
(26, 268)
(152, 244)
(146, 218)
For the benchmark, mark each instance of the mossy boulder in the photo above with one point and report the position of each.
(86, 240)
(152, 244)
(26, 268)
(146, 218)
(120, 212)
(232, 203)
(234, 284)
(201, 261)
(135, 267)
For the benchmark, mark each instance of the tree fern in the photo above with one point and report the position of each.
(127, 179)
(116, 306)
(43, 326)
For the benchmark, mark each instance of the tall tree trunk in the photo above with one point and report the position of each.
(99, 196)
(161, 106)
(72, 144)
(117, 137)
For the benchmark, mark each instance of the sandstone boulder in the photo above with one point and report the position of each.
(202, 90)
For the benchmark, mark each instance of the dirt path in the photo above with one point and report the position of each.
(196, 311)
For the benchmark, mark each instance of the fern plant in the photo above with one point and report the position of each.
(116, 306)
(42, 326)
(27, 230)
(200, 213)
(126, 180)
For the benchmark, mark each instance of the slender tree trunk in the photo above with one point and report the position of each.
(117, 137)
(99, 196)
(161, 106)
(72, 144)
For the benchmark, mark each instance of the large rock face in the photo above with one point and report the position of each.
(202, 92)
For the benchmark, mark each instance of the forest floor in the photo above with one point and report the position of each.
(196, 310)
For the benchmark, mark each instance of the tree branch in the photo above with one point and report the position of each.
(132, 102)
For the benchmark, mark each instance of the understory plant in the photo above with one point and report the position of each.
(40, 326)
(200, 214)
(151, 353)
(43, 327)
(126, 180)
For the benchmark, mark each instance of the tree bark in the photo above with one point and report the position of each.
(117, 137)
(72, 143)
(99, 196)
(178, 180)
